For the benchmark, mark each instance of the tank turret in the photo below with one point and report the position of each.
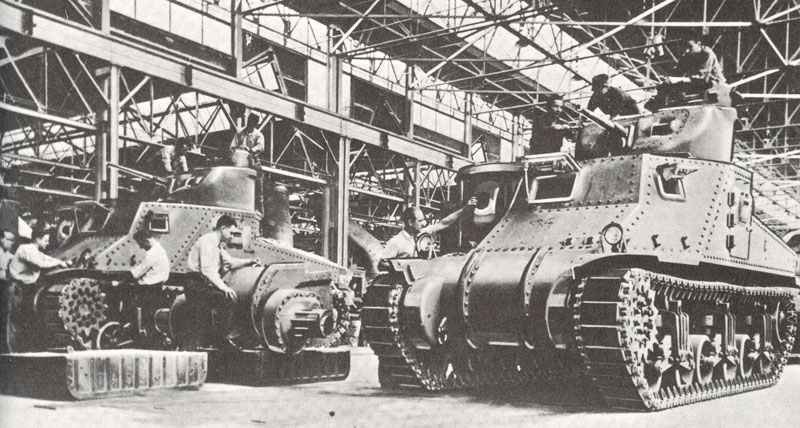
(640, 266)
(291, 305)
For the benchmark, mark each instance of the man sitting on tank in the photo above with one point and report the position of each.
(404, 243)
(154, 267)
(248, 144)
(697, 70)
(549, 130)
(208, 258)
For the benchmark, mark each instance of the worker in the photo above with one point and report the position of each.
(7, 239)
(154, 267)
(248, 144)
(610, 100)
(404, 245)
(699, 63)
(25, 268)
(211, 261)
(548, 129)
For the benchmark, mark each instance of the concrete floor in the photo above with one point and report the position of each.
(359, 402)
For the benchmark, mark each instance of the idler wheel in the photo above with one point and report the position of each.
(291, 317)
(656, 363)
(114, 335)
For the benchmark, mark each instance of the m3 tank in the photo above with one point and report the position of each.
(290, 312)
(639, 267)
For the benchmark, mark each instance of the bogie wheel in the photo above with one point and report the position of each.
(113, 335)
(681, 373)
(705, 358)
(747, 354)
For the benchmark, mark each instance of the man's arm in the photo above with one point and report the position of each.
(40, 259)
(259, 146)
(390, 251)
(141, 269)
(451, 218)
(235, 262)
(208, 266)
(594, 101)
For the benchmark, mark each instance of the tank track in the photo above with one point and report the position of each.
(615, 327)
(402, 365)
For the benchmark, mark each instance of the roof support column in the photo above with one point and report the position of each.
(237, 38)
(336, 193)
(342, 201)
(408, 126)
(468, 124)
(102, 15)
(107, 137)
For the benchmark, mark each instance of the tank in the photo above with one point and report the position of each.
(292, 308)
(637, 267)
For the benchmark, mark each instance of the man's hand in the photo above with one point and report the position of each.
(229, 293)
(473, 201)
(64, 264)
(255, 262)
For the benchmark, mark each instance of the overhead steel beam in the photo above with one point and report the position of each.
(621, 27)
(45, 116)
(53, 192)
(54, 30)
(44, 162)
(354, 26)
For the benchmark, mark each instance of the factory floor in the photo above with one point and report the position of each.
(359, 402)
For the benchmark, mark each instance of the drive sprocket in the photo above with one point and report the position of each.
(82, 309)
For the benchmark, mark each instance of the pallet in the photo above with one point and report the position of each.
(83, 375)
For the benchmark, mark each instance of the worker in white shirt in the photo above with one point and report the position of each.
(248, 144)
(154, 267)
(208, 258)
(404, 244)
(25, 268)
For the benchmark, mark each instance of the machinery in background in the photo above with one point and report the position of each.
(641, 270)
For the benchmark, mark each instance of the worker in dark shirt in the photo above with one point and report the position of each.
(697, 72)
(549, 129)
(699, 62)
(610, 100)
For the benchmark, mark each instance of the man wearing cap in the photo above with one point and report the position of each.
(610, 100)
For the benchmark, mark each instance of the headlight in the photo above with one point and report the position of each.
(425, 243)
(612, 234)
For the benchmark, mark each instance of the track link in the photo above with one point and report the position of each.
(615, 319)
